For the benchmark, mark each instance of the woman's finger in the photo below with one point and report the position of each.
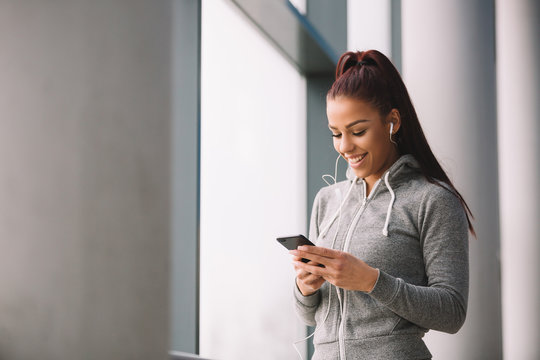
(320, 255)
(311, 267)
(309, 282)
(320, 251)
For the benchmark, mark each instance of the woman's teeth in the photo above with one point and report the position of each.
(356, 159)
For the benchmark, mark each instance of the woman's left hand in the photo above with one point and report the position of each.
(340, 268)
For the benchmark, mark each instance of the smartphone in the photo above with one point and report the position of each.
(292, 242)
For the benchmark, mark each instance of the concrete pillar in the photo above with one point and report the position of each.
(449, 68)
(186, 49)
(518, 93)
(84, 179)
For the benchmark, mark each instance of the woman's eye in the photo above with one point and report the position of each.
(336, 135)
(359, 133)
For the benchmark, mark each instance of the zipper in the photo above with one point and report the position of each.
(348, 236)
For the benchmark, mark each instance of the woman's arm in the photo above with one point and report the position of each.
(442, 304)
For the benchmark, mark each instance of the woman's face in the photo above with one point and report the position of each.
(362, 136)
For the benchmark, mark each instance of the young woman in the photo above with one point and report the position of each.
(393, 238)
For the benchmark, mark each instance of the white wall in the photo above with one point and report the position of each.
(369, 26)
(253, 189)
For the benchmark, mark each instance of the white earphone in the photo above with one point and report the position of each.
(392, 133)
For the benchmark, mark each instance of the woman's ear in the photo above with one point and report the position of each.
(395, 118)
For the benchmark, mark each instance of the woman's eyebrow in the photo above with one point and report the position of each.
(351, 124)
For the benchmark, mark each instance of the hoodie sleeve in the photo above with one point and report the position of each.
(306, 306)
(442, 304)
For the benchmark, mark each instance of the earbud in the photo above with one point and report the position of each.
(392, 133)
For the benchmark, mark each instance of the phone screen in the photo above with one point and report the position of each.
(293, 242)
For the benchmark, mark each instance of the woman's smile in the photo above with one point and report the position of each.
(355, 161)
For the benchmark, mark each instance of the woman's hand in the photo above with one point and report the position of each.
(340, 268)
(306, 282)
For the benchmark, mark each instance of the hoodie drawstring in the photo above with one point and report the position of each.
(389, 212)
(338, 212)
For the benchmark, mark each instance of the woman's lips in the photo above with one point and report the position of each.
(355, 161)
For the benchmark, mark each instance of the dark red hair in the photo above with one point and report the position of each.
(371, 77)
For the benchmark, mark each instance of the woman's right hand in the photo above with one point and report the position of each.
(307, 282)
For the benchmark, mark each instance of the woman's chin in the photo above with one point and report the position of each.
(360, 173)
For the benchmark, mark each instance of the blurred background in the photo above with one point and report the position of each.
(152, 151)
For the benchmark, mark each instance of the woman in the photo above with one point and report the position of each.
(393, 238)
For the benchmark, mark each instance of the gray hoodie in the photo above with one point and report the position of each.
(416, 234)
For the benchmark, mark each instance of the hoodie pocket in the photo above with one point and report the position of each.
(400, 322)
(403, 326)
(367, 318)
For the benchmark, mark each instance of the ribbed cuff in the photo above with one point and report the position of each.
(385, 288)
(376, 281)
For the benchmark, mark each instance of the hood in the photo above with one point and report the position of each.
(400, 170)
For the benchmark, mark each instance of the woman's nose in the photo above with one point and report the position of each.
(345, 145)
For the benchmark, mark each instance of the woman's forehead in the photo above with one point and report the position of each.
(351, 109)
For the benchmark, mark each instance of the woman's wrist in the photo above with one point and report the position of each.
(304, 291)
(373, 278)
